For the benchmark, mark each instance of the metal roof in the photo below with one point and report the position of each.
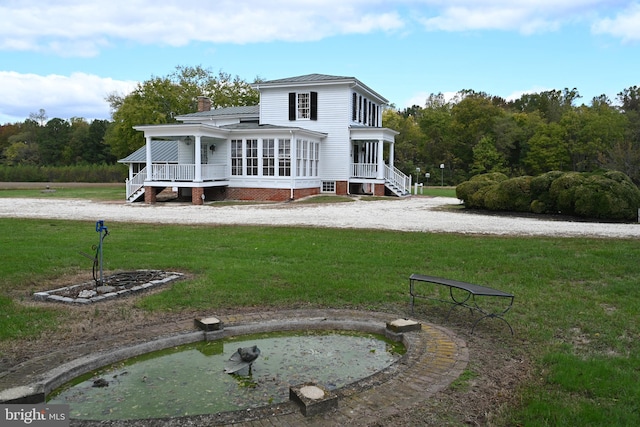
(245, 110)
(163, 151)
(308, 78)
(320, 79)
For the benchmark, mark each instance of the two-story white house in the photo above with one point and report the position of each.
(310, 134)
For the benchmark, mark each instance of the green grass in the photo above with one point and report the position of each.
(111, 192)
(576, 312)
(436, 191)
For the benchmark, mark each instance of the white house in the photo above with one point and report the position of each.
(310, 134)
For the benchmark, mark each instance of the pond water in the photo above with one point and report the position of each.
(190, 379)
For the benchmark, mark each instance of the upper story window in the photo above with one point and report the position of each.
(303, 106)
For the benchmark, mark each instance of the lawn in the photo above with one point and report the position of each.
(575, 313)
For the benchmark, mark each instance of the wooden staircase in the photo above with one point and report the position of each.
(397, 182)
(135, 186)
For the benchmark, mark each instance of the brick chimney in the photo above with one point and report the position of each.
(204, 104)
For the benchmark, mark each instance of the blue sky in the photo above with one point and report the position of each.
(66, 56)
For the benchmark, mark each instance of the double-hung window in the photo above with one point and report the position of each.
(284, 157)
(268, 157)
(236, 157)
(252, 156)
(303, 106)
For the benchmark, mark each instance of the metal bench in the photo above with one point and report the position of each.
(467, 300)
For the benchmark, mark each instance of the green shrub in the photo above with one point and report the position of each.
(605, 198)
(541, 201)
(472, 192)
(607, 195)
(511, 195)
(562, 192)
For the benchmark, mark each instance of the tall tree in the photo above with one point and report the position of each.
(160, 99)
(55, 136)
(486, 158)
(473, 118)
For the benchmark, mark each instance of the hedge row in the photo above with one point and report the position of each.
(607, 195)
(80, 173)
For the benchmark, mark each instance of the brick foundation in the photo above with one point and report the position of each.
(196, 195)
(378, 190)
(150, 195)
(342, 188)
(269, 194)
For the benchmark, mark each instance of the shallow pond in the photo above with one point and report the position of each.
(190, 379)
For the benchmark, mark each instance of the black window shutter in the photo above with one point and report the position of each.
(314, 106)
(364, 113)
(292, 105)
(354, 107)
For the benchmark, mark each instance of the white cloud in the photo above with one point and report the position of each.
(60, 96)
(81, 28)
(626, 24)
(526, 16)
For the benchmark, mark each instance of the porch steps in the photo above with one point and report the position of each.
(397, 182)
(396, 190)
(136, 195)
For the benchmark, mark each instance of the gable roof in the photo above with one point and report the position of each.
(163, 151)
(320, 79)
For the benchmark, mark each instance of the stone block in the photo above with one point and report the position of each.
(312, 399)
(208, 324)
(404, 325)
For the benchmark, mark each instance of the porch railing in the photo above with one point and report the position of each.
(364, 170)
(187, 172)
(395, 179)
(394, 176)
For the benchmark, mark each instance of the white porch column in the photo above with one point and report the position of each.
(198, 157)
(380, 160)
(391, 155)
(147, 146)
(294, 163)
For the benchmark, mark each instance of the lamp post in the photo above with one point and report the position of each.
(416, 184)
(442, 174)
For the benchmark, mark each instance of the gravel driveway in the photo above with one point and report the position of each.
(418, 214)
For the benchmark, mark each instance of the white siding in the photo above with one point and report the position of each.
(334, 115)
(186, 154)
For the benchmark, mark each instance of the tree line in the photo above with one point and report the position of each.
(56, 142)
(471, 134)
(476, 133)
